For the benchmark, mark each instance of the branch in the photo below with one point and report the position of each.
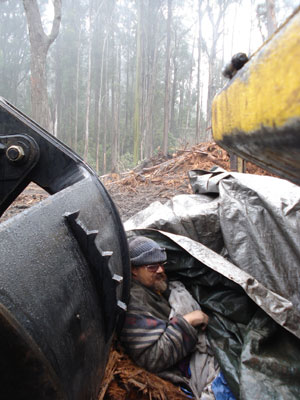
(181, 36)
(98, 10)
(56, 22)
(210, 14)
(22, 79)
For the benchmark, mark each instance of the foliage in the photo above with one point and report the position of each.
(122, 98)
(126, 162)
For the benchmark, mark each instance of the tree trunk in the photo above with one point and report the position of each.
(105, 112)
(88, 89)
(127, 93)
(117, 111)
(181, 104)
(174, 86)
(167, 82)
(137, 133)
(39, 45)
(151, 73)
(251, 26)
(100, 103)
(271, 17)
(150, 102)
(114, 107)
(58, 91)
(197, 138)
(212, 55)
(77, 92)
(189, 95)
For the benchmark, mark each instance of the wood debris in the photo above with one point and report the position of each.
(161, 178)
(172, 171)
(125, 380)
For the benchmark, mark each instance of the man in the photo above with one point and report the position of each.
(161, 345)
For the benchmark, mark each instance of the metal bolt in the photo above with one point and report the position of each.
(15, 153)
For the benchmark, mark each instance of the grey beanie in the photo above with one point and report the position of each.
(145, 251)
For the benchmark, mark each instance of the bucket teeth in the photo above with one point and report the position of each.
(97, 261)
(117, 278)
(106, 254)
(122, 305)
(86, 239)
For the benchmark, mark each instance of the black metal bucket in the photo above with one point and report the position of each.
(64, 285)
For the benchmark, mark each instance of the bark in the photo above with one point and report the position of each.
(113, 126)
(260, 15)
(77, 91)
(174, 86)
(127, 92)
(100, 103)
(97, 68)
(189, 95)
(88, 90)
(39, 46)
(215, 16)
(151, 74)
(137, 132)
(58, 91)
(105, 112)
(167, 82)
(149, 119)
(144, 83)
(115, 98)
(117, 110)
(181, 104)
(201, 105)
(197, 138)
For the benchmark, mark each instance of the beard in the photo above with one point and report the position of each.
(160, 284)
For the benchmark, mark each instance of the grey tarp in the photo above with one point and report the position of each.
(249, 226)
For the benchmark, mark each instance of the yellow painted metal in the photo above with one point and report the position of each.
(266, 92)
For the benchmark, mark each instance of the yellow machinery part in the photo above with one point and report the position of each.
(257, 114)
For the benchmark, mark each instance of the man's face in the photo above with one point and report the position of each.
(152, 276)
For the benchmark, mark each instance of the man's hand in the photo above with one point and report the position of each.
(196, 318)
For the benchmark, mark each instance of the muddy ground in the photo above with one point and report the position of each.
(159, 178)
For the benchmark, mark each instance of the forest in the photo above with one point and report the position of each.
(119, 81)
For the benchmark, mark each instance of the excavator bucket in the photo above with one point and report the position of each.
(257, 114)
(64, 273)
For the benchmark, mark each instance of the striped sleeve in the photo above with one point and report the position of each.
(155, 344)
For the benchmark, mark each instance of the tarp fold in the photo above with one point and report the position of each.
(235, 245)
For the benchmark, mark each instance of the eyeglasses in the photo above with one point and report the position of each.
(154, 267)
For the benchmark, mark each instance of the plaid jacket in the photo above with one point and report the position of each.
(151, 339)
